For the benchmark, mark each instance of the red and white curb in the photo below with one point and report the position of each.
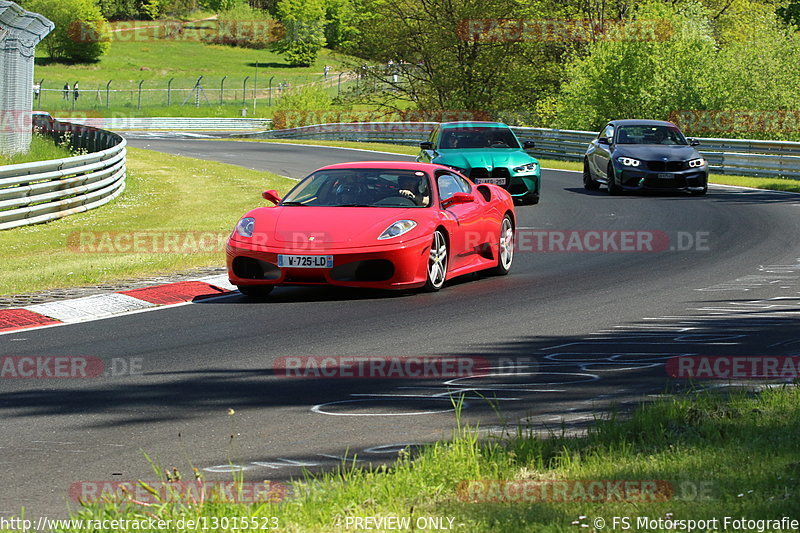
(101, 306)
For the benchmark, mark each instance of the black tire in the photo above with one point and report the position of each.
(613, 188)
(255, 291)
(588, 181)
(505, 250)
(437, 262)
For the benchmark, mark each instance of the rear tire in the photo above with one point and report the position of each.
(588, 181)
(437, 263)
(255, 291)
(505, 248)
(613, 188)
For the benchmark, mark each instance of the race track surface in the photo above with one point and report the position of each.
(570, 334)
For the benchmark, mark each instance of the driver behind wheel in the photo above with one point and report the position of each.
(348, 190)
(414, 188)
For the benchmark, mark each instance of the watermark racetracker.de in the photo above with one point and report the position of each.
(68, 367)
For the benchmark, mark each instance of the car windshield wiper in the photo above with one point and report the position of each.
(354, 205)
(293, 203)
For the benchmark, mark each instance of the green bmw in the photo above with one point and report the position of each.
(486, 152)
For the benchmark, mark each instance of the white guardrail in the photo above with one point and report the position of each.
(745, 157)
(172, 123)
(31, 193)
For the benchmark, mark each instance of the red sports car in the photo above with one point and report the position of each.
(387, 225)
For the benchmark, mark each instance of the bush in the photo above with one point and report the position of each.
(81, 32)
(301, 108)
(241, 25)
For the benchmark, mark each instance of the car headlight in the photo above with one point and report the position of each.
(530, 167)
(398, 228)
(457, 169)
(628, 161)
(694, 163)
(246, 226)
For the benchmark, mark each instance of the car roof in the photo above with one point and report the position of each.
(640, 122)
(389, 165)
(474, 124)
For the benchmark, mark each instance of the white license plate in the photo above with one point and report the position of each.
(305, 261)
(493, 181)
(665, 176)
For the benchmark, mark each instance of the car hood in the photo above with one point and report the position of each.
(489, 158)
(332, 226)
(656, 152)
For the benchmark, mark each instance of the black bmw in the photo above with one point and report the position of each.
(644, 155)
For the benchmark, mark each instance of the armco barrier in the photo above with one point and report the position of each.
(173, 123)
(744, 157)
(31, 193)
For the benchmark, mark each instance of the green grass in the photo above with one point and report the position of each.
(775, 184)
(717, 456)
(155, 62)
(165, 195)
(42, 148)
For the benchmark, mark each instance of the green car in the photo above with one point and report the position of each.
(486, 152)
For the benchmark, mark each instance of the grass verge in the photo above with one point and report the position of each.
(42, 148)
(712, 455)
(774, 184)
(194, 203)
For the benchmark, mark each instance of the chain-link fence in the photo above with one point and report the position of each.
(20, 32)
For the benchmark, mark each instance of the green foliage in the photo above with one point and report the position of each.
(304, 30)
(343, 18)
(302, 107)
(81, 32)
(446, 67)
(222, 5)
(701, 66)
(242, 25)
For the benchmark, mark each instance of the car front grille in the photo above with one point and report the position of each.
(667, 166)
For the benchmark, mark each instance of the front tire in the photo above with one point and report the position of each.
(255, 291)
(588, 181)
(437, 263)
(505, 248)
(613, 188)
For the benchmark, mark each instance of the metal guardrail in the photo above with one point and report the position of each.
(31, 193)
(173, 123)
(745, 157)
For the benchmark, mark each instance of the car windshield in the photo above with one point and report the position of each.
(650, 135)
(368, 187)
(477, 137)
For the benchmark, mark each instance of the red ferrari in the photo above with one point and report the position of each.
(387, 225)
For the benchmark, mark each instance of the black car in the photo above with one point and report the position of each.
(632, 155)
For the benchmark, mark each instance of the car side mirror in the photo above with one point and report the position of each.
(458, 198)
(426, 145)
(528, 145)
(694, 142)
(271, 196)
(603, 140)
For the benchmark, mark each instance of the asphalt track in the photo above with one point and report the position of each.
(570, 332)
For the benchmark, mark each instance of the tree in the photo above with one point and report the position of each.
(648, 78)
(304, 30)
(456, 56)
(81, 32)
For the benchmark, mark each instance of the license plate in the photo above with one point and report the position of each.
(493, 181)
(305, 261)
(665, 176)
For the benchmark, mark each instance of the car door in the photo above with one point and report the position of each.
(468, 226)
(427, 155)
(602, 151)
